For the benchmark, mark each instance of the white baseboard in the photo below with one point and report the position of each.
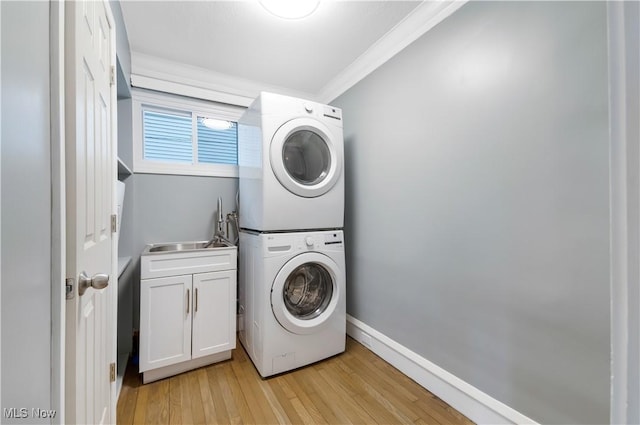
(462, 396)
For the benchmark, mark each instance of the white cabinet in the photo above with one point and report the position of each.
(214, 302)
(186, 320)
(165, 321)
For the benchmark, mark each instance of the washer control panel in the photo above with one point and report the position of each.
(333, 238)
(317, 241)
(281, 243)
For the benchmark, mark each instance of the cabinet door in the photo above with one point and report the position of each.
(214, 314)
(165, 321)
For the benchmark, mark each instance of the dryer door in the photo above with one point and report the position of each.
(305, 158)
(305, 292)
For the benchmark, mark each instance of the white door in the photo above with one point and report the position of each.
(306, 157)
(305, 292)
(214, 313)
(90, 173)
(165, 321)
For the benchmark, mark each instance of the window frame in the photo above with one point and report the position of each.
(163, 102)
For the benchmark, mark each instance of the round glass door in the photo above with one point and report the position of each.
(305, 292)
(305, 158)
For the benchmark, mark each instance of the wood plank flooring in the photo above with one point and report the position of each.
(356, 387)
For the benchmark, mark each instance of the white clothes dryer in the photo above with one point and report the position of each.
(291, 295)
(291, 165)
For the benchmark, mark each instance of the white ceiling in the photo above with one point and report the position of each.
(241, 40)
(230, 50)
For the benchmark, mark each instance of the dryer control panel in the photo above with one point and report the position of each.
(331, 112)
(326, 111)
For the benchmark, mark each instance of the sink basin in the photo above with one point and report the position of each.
(186, 246)
(185, 258)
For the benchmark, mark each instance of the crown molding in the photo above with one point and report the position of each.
(424, 17)
(154, 73)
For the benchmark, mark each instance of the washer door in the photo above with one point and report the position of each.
(305, 292)
(304, 157)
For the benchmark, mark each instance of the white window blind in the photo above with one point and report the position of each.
(217, 146)
(167, 137)
(184, 136)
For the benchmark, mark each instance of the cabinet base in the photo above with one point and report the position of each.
(175, 369)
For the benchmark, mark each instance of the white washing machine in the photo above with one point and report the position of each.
(290, 157)
(291, 298)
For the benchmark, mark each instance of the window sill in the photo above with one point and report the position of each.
(219, 170)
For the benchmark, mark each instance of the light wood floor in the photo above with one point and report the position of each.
(354, 387)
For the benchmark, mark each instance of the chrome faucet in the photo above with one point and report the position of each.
(218, 235)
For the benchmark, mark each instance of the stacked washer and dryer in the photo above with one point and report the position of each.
(291, 289)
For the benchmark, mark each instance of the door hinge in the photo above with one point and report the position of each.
(69, 284)
(114, 223)
(113, 75)
(112, 372)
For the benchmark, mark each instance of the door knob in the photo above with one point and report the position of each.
(98, 281)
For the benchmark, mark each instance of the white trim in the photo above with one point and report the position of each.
(166, 86)
(462, 396)
(58, 210)
(171, 101)
(1, 201)
(424, 17)
(112, 316)
(623, 22)
(141, 98)
(154, 73)
(618, 199)
(220, 170)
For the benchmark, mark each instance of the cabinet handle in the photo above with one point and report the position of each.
(188, 301)
(196, 310)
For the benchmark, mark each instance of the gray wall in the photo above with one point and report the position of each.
(171, 208)
(26, 208)
(477, 203)
(159, 208)
(125, 238)
(125, 131)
